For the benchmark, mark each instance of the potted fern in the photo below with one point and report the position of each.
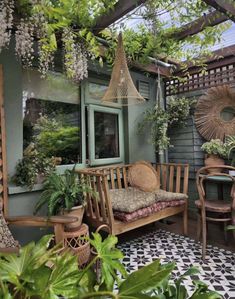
(64, 194)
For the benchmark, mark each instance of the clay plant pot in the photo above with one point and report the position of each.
(211, 160)
(78, 212)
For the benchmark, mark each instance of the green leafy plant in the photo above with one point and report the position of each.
(158, 120)
(40, 272)
(215, 147)
(31, 166)
(71, 23)
(230, 142)
(62, 192)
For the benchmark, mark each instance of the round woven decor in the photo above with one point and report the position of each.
(143, 176)
(208, 118)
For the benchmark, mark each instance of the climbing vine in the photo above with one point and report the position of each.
(41, 27)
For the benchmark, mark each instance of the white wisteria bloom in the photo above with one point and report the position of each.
(6, 21)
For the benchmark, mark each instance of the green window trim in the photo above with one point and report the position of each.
(91, 135)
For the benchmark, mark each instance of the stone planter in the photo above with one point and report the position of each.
(211, 160)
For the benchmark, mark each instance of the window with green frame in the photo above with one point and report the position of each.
(105, 135)
(52, 116)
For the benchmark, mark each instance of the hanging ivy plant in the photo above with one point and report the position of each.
(157, 121)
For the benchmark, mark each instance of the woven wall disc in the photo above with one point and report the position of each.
(208, 118)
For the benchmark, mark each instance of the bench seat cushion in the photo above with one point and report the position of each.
(144, 212)
(130, 199)
(162, 195)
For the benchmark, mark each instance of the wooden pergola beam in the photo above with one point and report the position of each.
(227, 7)
(208, 20)
(121, 8)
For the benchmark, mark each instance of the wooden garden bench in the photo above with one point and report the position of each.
(99, 211)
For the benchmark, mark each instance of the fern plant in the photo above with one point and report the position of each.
(62, 192)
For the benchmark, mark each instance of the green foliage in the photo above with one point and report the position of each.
(215, 147)
(62, 192)
(53, 139)
(31, 166)
(178, 111)
(154, 38)
(157, 120)
(230, 141)
(40, 272)
(28, 274)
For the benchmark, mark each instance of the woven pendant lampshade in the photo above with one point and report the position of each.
(121, 88)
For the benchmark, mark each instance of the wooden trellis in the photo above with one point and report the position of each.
(224, 74)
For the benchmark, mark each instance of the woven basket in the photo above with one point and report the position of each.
(78, 243)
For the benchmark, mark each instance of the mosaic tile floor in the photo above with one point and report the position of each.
(218, 271)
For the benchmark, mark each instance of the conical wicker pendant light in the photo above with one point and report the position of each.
(121, 88)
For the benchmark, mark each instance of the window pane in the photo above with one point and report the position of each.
(96, 91)
(51, 116)
(106, 135)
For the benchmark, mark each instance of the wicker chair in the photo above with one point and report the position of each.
(213, 210)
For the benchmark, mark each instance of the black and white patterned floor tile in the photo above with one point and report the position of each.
(218, 271)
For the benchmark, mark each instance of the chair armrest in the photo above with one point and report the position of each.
(39, 220)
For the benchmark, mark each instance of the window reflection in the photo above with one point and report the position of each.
(51, 117)
(106, 135)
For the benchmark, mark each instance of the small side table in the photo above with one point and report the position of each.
(77, 241)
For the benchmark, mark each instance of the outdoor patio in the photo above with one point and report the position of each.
(117, 149)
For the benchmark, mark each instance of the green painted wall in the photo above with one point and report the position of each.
(13, 107)
(21, 201)
(137, 145)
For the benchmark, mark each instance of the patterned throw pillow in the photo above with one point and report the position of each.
(130, 199)
(162, 195)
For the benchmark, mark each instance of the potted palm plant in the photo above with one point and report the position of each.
(64, 194)
(216, 151)
(230, 141)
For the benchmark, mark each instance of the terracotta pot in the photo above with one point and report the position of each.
(78, 212)
(211, 160)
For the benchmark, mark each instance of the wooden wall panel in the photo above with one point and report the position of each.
(3, 164)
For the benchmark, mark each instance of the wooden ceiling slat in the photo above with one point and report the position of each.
(227, 7)
(209, 20)
(121, 8)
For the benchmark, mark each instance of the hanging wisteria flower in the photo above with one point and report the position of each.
(75, 57)
(46, 57)
(6, 21)
(24, 41)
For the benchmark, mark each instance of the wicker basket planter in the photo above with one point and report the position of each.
(78, 242)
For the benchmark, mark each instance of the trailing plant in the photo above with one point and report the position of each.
(40, 272)
(40, 26)
(179, 110)
(215, 147)
(62, 192)
(31, 166)
(159, 120)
